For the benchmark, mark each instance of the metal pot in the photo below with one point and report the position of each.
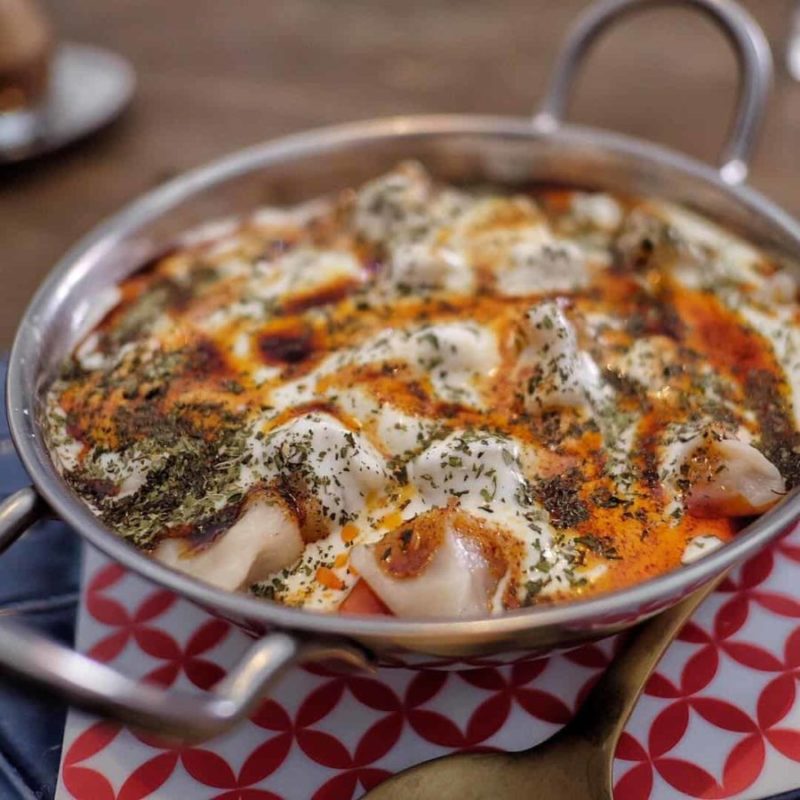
(454, 148)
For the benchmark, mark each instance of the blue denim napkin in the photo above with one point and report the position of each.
(39, 583)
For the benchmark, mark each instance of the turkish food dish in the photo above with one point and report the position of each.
(427, 400)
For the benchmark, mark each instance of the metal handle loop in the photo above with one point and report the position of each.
(86, 683)
(741, 30)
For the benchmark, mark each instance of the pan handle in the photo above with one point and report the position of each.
(93, 686)
(741, 30)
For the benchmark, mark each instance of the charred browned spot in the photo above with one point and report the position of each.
(324, 296)
(206, 531)
(638, 257)
(415, 388)
(206, 360)
(94, 489)
(406, 551)
(304, 506)
(655, 316)
(287, 342)
(448, 410)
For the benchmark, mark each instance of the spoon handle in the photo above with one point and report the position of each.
(602, 716)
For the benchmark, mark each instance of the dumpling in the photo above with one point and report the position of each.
(457, 357)
(389, 206)
(553, 370)
(305, 272)
(405, 212)
(326, 469)
(263, 540)
(732, 479)
(430, 566)
(388, 426)
(476, 468)
(535, 267)
(649, 362)
(722, 476)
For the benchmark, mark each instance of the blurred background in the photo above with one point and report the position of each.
(222, 74)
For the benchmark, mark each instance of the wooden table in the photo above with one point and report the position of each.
(222, 74)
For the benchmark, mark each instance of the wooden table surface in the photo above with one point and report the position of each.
(221, 74)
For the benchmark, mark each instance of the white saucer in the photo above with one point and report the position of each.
(89, 87)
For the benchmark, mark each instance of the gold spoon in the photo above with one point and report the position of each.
(577, 762)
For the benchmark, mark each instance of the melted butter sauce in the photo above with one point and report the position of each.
(527, 362)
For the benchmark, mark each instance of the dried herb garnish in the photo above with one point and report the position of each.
(532, 590)
(780, 442)
(604, 498)
(599, 545)
(560, 496)
(190, 471)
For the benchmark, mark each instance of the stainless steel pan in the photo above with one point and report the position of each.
(457, 148)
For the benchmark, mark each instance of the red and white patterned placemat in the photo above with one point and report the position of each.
(721, 718)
